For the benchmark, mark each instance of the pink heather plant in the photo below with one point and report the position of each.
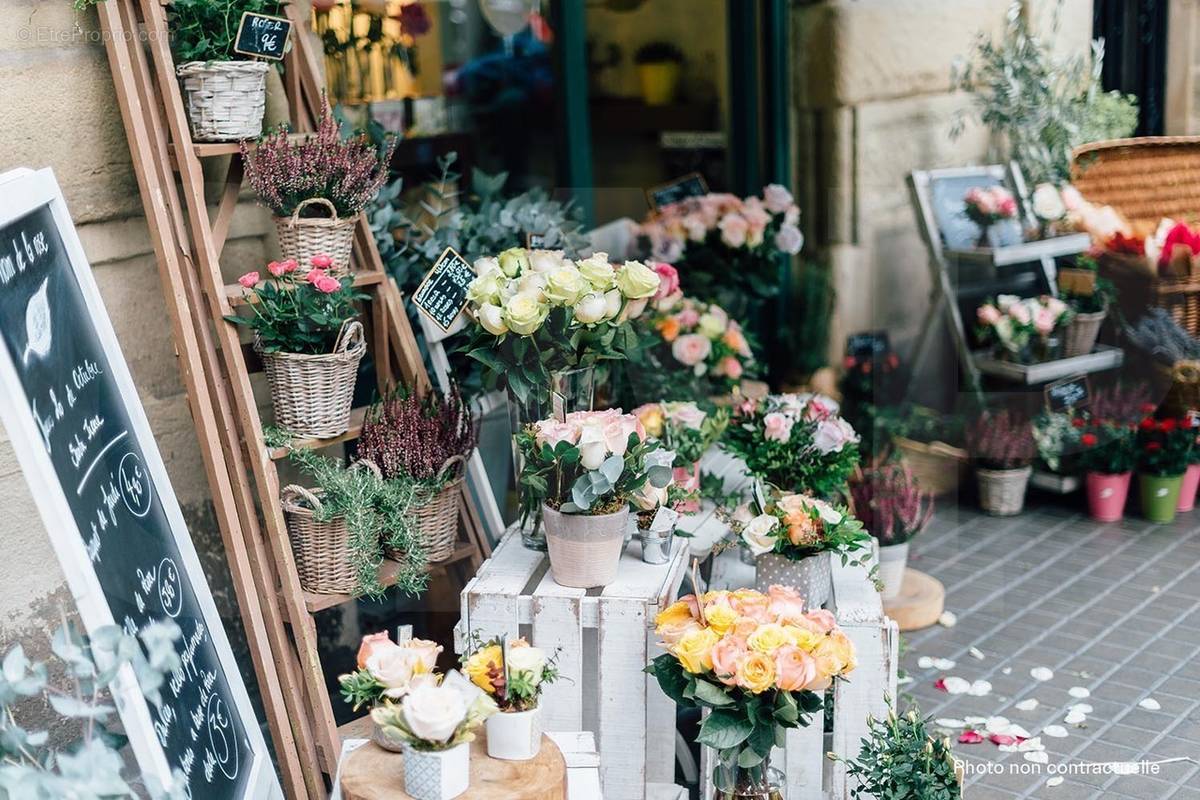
(891, 504)
(409, 436)
(348, 173)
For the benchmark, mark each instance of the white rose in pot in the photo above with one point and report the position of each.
(395, 667)
(757, 534)
(433, 713)
(530, 661)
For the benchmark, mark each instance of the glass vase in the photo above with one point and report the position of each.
(762, 782)
(569, 390)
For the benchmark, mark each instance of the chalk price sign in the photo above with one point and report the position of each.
(691, 185)
(262, 36)
(443, 294)
(1067, 394)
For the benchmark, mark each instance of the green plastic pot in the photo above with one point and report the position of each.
(1160, 496)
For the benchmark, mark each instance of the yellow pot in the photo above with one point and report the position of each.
(659, 82)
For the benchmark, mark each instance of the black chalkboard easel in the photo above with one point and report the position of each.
(1068, 394)
(690, 185)
(262, 36)
(443, 294)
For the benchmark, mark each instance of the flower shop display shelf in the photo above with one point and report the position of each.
(605, 639)
(1102, 358)
(859, 611)
(1023, 252)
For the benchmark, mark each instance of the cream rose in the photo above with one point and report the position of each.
(757, 534)
(712, 326)
(487, 264)
(524, 314)
(486, 288)
(590, 309)
(545, 260)
(636, 280)
(612, 303)
(598, 272)
(530, 660)
(491, 317)
(513, 261)
(394, 667)
(565, 285)
(433, 713)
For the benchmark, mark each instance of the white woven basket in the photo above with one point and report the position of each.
(311, 394)
(225, 99)
(301, 238)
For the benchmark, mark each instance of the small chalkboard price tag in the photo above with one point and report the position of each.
(262, 36)
(535, 241)
(443, 294)
(1081, 282)
(1068, 394)
(867, 344)
(691, 185)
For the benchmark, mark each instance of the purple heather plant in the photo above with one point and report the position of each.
(412, 436)
(1001, 440)
(890, 504)
(347, 172)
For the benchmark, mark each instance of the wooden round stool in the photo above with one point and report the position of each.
(372, 773)
(921, 601)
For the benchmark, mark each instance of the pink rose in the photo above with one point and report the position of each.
(789, 239)
(280, 268)
(725, 656)
(777, 427)
(691, 349)
(730, 367)
(787, 605)
(988, 314)
(370, 644)
(326, 284)
(314, 274)
(817, 409)
(734, 229)
(321, 261)
(1044, 320)
(687, 478)
(688, 317)
(823, 619)
(249, 280)
(1019, 312)
(668, 280)
(695, 228)
(833, 434)
(551, 432)
(794, 668)
(777, 198)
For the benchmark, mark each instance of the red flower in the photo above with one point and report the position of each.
(1088, 439)
(1153, 447)
(1148, 408)
(940, 684)
(1077, 422)
(1128, 245)
(893, 360)
(850, 362)
(1148, 424)
(1167, 425)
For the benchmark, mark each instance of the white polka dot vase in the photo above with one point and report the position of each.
(439, 775)
(812, 577)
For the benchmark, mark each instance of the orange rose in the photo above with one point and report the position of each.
(794, 669)
(668, 328)
(369, 645)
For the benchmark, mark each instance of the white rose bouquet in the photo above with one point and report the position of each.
(433, 718)
(796, 442)
(537, 313)
(512, 674)
(387, 671)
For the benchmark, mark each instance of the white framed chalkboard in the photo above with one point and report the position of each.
(84, 444)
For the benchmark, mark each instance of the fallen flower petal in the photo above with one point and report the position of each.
(1075, 718)
(1150, 704)
(1037, 757)
(1079, 692)
(1055, 781)
(976, 653)
(970, 737)
(949, 722)
(1027, 705)
(940, 684)
(948, 619)
(1003, 739)
(1055, 731)
(1042, 673)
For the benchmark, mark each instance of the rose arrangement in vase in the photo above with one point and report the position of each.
(315, 186)
(433, 725)
(1023, 330)
(306, 331)
(725, 246)
(793, 539)
(893, 508)
(388, 670)
(513, 674)
(986, 206)
(1107, 456)
(1002, 445)
(687, 430)
(1164, 450)
(758, 662)
(796, 442)
(583, 471)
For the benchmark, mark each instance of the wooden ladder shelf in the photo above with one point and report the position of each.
(278, 614)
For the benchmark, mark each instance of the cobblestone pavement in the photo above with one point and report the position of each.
(1110, 608)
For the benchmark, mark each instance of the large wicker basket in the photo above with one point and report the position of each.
(321, 548)
(311, 394)
(1183, 396)
(1145, 180)
(225, 99)
(1080, 336)
(302, 238)
(437, 514)
(938, 467)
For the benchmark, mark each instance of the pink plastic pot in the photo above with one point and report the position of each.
(1106, 495)
(1187, 491)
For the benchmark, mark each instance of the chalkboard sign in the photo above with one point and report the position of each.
(86, 449)
(443, 293)
(262, 36)
(692, 185)
(957, 230)
(1068, 393)
(868, 343)
(535, 241)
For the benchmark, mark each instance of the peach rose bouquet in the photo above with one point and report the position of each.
(759, 662)
(797, 526)
(388, 670)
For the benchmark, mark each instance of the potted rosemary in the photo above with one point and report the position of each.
(425, 440)
(894, 509)
(899, 758)
(1003, 448)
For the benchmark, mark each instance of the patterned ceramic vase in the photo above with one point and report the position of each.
(812, 577)
(440, 775)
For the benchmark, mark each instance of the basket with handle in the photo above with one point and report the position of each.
(1145, 180)
(436, 512)
(939, 467)
(311, 394)
(322, 548)
(302, 238)
(1183, 396)
(225, 99)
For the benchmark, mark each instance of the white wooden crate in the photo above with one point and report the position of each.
(859, 612)
(604, 638)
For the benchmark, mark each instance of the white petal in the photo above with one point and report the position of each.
(1082, 708)
(1018, 731)
(1075, 718)
(1037, 757)
(976, 653)
(980, 689)
(956, 685)
(1079, 692)
(973, 721)
(998, 725)
(943, 664)
(924, 662)
(1055, 781)
(1031, 745)
(1042, 673)
(1007, 748)
(1027, 705)
(1150, 704)
(1055, 731)
(1007, 670)
(949, 722)
(948, 619)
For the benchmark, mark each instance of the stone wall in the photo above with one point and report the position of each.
(873, 100)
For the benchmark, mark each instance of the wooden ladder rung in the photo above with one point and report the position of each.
(353, 432)
(236, 293)
(387, 577)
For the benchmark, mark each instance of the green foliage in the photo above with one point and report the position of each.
(377, 512)
(811, 322)
(292, 315)
(899, 760)
(1103, 295)
(1107, 446)
(360, 688)
(1044, 106)
(204, 30)
(92, 766)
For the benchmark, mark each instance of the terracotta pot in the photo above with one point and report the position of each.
(1106, 495)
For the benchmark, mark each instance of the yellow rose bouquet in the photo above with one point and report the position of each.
(759, 663)
(537, 313)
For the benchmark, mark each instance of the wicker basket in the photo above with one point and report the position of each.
(311, 394)
(437, 514)
(1002, 491)
(225, 99)
(1183, 396)
(938, 467)
(1145, 180)
(301, 239)
(321, 549)
(1080, 336)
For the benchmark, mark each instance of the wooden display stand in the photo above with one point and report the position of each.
(278, 615)
(920, 603)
